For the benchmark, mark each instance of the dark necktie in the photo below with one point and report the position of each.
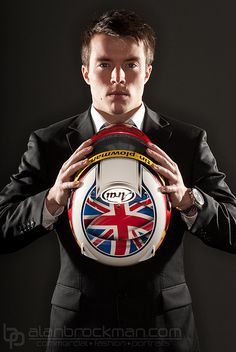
(129, 122)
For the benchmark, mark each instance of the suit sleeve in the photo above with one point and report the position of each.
(216, 222)
(22, 200)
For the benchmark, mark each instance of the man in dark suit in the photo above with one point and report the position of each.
(146, 306)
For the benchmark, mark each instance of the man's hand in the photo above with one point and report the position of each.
(166, 167)
(58, 195)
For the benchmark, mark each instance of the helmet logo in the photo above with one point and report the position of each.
(118, 195)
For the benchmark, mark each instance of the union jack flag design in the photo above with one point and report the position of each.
(118, 229)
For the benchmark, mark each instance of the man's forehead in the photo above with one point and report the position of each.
(102, 45)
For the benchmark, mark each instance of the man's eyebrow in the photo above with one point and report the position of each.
(133, 58)
(103, 58)
(106, 58)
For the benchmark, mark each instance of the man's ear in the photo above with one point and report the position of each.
(148, 72)
(85, 73)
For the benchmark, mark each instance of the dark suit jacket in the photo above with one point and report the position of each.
(152, 294)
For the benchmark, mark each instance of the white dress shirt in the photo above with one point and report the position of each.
(137, 118)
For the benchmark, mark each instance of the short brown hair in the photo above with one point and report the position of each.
(119, 23)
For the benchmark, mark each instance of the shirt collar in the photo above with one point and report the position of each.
(137, 118)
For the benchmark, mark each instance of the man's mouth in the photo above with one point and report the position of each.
(118, 93)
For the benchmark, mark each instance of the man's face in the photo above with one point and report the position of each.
(116, 74)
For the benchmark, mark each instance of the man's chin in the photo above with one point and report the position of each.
(119, 112)
(117, 108)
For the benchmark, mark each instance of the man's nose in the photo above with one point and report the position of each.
(118, 75)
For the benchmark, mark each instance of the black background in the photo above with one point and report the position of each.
(193, 79)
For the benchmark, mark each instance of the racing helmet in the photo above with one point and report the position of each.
(118, 216)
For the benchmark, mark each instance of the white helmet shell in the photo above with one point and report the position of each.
(118, 216)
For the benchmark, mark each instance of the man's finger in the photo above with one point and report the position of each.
(72, 169)
(168, 189)
(155, 148)
(164, 172)
(77, 157)
(162, 160)
(70, 185)
(85, 144)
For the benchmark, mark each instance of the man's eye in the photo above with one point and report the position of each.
(104, 65)
(131, 65)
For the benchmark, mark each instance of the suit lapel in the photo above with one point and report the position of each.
(80, 130)
(157, 128)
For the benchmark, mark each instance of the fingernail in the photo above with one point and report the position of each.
(77, 184)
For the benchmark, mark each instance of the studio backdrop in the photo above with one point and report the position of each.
(193, 80)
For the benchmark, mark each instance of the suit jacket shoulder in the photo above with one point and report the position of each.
(58, 129)
(182, 127)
